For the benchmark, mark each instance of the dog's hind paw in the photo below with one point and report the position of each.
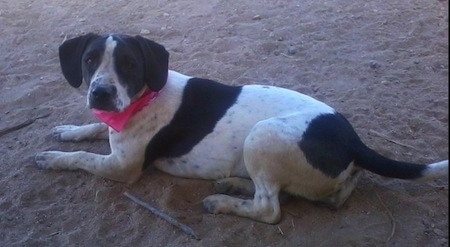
(234, 186)
(210, 205)
(218, 204)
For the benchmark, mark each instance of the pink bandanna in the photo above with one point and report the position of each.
(118, 120)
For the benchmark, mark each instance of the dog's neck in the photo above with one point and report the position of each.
(118, 120)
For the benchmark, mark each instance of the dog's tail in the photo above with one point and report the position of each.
(370, 160)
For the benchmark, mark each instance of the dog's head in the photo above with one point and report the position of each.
(117, 68)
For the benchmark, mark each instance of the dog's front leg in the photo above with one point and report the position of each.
(107, 166)
(79, 133)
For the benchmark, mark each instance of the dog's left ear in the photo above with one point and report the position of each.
(156, 62)
(70, 54)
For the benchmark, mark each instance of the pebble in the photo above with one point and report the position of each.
(374, 65)
(292, 50)
(438, 232)
(145, 31)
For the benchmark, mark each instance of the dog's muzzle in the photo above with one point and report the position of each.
(103, 97)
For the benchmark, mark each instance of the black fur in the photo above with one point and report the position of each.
(374, 162)
(156, 61)
(203, 104)
(130, 64)
(70, 55)
(327, 143)
(330, 144)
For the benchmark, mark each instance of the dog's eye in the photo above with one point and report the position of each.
(89, 61)
(128, 65)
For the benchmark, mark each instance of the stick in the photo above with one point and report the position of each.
(390, 216)
(281, 231)
(21, 125)
(186, 229)
(391, 140)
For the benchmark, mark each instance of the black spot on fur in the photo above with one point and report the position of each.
(327, 143)
(203, 104)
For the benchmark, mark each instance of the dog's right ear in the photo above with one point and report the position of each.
(70, 55)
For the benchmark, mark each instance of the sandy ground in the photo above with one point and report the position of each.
(383, 64)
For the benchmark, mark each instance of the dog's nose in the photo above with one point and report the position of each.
(103, 92)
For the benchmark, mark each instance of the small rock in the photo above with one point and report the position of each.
(145, 31)
(374, 65)
(165, 14)
(292, 50)
(438, 232)
(280, 39)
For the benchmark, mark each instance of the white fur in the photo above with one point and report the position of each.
(435, 170)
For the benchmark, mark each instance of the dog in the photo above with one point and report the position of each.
(254, 140)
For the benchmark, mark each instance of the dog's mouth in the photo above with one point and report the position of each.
(104, 98)
(106, 105)
(118, 120)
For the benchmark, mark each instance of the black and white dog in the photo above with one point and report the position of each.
(255, 140)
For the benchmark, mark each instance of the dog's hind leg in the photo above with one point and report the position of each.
(266, 158)
(235, 186)
(244, 187)
(338, 198)
(79, 133)
(263, 207)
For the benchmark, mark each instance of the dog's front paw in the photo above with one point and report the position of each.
(50, 160)
(66, 132)
(43, 160)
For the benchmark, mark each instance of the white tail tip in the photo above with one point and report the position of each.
(435, 170)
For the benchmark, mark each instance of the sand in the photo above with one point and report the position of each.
(383, 64)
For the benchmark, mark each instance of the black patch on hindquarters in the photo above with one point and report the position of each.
(203, 104)
(328, 143)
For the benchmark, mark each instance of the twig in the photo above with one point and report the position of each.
(21, 125)
(52, 234)
(186, 229)
(281, 231)
(293, 214)
(390, 216)
(391, 140)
